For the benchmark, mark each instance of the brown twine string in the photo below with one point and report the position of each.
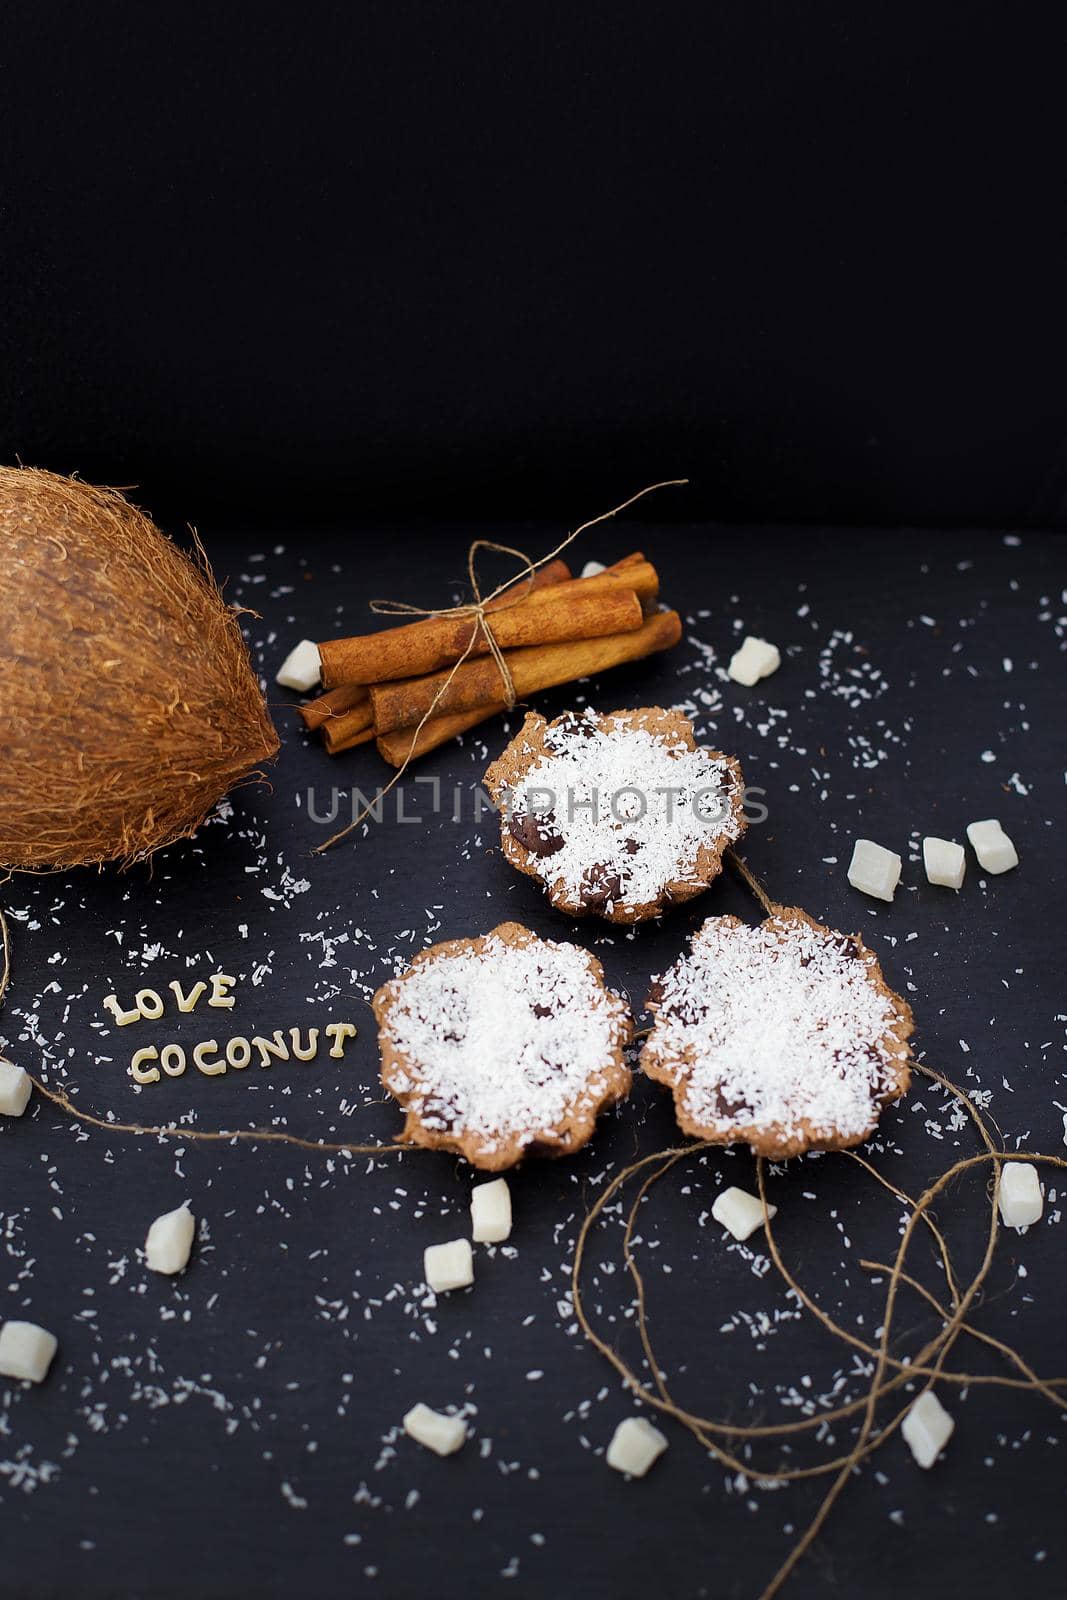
(751, 882)
(928, 1366)
(172, 1131)
(477, 608)
(212, 1135)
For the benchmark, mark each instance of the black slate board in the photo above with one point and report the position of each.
(233, 1432)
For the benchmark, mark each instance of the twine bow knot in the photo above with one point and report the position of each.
(478, 608)
(500, 599)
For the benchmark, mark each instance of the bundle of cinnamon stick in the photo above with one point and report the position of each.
(551, 628)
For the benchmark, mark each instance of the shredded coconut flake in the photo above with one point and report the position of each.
(507, 1041)
(630, 805)
(775, 1026)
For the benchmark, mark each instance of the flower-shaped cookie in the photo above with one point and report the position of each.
(783, 1036)
(621, 814)
(501, 1045)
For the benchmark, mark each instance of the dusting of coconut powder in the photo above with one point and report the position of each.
(786, 1026)
(624, 809)
(502, 1039)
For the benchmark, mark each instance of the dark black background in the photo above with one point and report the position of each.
(351, 265)
(395, 258)
(892, 689)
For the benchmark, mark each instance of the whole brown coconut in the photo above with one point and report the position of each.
(128, 706)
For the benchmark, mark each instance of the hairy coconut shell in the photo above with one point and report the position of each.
(128, 706)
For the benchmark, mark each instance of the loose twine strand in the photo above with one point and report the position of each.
(719, 1436)
(478, 608)
(173, 1130)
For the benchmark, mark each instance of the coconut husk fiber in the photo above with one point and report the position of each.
(128, 706)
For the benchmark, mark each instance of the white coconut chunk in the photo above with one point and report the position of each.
(927, 1428)
(15, 1089)
(170, 1241)
(435, 1430)
(26, 1351)
(874, 870)
(756, 659)
(1020, 1198)
(945, 862)
(739, 1212)
(302, 668)
(592, 568)
(994, 849)
(491, 1212)
(634, 1446)
(449, 1266)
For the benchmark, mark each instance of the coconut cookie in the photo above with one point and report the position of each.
(503, 1045)
(620, 815)
(784, 1036)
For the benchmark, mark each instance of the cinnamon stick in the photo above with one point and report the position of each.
(578, 614)
(364, 736)
(403, 745)
(477, 684)
(640, 576)
(400, 652)
(341, 733)
(333, 704)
